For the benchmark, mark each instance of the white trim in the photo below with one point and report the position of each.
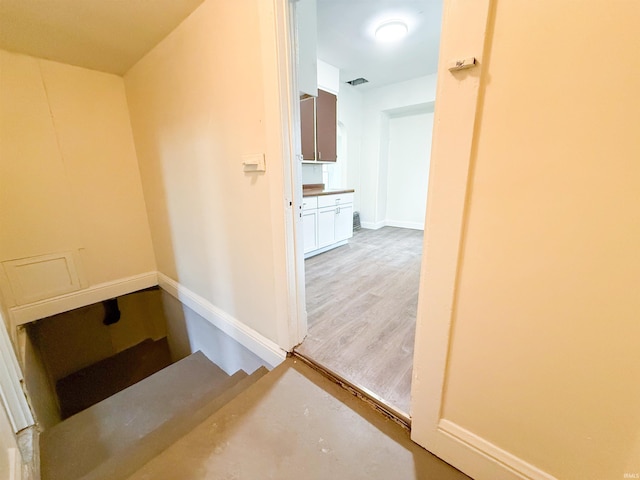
(63, 303)
(15, 464)
(13, 397)
(286, 43)
(504, 460)
(278, 62)
(403, 224)
(325, 249)
(392, 223)
(372, 225)
(267, 350)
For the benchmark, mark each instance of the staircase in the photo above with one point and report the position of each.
(88, 386)
(115, 437)
(191, 421)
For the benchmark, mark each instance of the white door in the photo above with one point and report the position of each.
(526, 360)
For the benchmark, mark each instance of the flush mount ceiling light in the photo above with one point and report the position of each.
(391, 31)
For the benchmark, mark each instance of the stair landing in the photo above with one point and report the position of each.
(294, 423)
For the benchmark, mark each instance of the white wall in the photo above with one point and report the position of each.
(311, 174)
(200, 100)
(408, 169)
(307, 25)
(350, 138)
(378, 103)
(69, 178)
(328, 77)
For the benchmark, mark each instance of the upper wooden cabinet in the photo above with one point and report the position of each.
(319, 122)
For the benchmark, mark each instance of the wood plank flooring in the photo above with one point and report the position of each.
(361, 303)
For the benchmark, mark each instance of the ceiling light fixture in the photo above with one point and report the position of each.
(391, 31)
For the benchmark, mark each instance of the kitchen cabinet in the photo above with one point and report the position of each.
(332, 223)
(335, 224)
(344, 222)
(310, 224)
(319, 124)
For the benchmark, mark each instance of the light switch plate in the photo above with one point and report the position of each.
(253, 162)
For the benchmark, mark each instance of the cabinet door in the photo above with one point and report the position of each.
(310, 230)
(326, 126)
(308, 127)
(326, 226)
(344, 222)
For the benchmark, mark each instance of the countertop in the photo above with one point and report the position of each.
(317, 190)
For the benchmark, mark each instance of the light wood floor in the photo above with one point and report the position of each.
(361, 304)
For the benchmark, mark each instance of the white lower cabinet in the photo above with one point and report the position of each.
(332, 223)
(344, 222)
(310, 229)
(326, 226)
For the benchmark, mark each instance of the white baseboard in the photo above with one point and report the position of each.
(313, 253)
(392, 223)
(403, 224)
(511, 464)
(62, 303)
(372, 225)
(261, 346)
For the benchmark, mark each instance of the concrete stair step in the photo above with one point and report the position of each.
(99, 381)
(115, 437)
(295, 423)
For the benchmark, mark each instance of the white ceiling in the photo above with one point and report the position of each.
(106, 35)
(346, 39)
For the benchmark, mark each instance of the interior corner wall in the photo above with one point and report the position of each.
(374, 154)
(408, 169)
(69, 178)
(198, 103)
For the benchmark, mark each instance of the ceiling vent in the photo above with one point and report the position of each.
(358, 81)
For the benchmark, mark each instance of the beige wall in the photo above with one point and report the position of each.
(544, 359)
(69, 180)
(197, 104)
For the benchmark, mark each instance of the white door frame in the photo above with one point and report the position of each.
(295, 329)
(11, 392)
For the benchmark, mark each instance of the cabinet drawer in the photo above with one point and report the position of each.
(309, 203)
(333, 200)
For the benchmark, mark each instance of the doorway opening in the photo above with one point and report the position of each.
(362, 291)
